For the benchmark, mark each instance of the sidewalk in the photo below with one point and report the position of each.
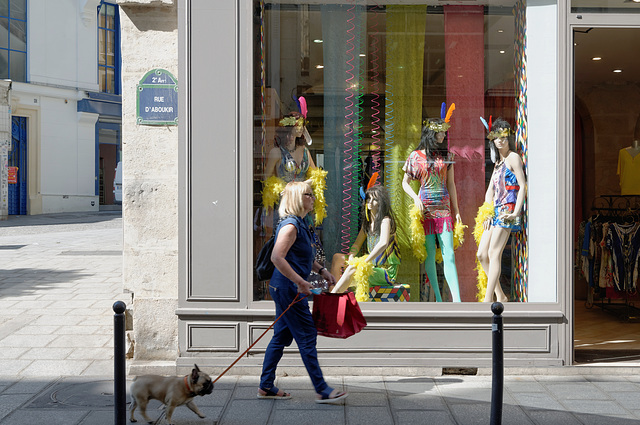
(61, 273)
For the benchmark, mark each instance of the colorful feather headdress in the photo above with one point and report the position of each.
(500, 132)
(372, 182)
(445, 115)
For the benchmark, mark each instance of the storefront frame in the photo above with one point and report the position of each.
(216, 326)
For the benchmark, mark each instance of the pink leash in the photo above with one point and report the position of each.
(295, 300)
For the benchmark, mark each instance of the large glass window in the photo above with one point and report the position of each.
(108, 48)
(605, 6)
(13, 40)
(366, 93)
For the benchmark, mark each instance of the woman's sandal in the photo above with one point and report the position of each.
(273, 393)
(325, 396)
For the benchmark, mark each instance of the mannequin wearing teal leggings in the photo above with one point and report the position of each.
(450, 272)
(432, 165)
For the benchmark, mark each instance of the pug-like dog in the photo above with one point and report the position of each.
(173, 391)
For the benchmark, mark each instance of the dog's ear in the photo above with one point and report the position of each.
(194, 374)
(196, 367)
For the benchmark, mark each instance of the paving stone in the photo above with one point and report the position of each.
(23, 417)
(629, 400)
(552, 417)
(598, 407)
(576, 391)
(55, 368)
(417, 402)
(421, 417)
(537, 401)
(368, 415)
(10, 402)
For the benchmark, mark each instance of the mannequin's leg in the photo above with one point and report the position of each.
(483, 250)
(345, 280)
(430, 264)
(449, 259)
(499, 238)
(338, 264)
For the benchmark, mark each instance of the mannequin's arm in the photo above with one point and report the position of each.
(272, 163)
(311, 163)
(409, 191)
(385, 236)
(453, 194)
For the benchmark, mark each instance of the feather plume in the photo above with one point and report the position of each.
(372, 180)
(484, 122)
(490, 120)
(302, 105)
(450, 112)
(443, 110)
(362, 194)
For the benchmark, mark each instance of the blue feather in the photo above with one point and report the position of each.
(362, 194)
(484, 122)
(443, 110)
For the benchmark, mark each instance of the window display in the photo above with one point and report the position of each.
(376, 105)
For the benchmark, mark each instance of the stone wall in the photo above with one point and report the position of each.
(149, 32)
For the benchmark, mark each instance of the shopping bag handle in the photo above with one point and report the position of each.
(342, 309)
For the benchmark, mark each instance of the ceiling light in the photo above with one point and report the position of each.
(362, 55)
(500, 31)
(317, 41)
(502, 52)
(597, 58)
(617, 71)
(319, 66)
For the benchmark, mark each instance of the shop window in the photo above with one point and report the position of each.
(108, 48)
(605, 6)
(371, 80)
(13, 40)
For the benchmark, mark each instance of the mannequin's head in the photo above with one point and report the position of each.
(500, 128)
(290, 127)
(434, 136)
(377, 200)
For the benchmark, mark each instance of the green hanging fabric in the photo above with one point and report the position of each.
(403, 120)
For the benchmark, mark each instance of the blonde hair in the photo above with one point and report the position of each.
(292, 202)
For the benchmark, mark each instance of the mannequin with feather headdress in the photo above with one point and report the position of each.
(504, 201)
(437, 200)
(379, 266)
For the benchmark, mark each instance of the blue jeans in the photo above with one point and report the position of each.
(296, 324)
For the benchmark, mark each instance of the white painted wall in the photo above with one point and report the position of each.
(62, 43)
(542, 81)
(62, 65)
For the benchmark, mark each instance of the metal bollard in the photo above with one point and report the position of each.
(119, 365)
(497, 383)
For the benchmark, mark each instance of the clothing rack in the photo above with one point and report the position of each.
(625, 209)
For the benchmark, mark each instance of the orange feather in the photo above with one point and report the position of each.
(372, 180)
(449, 112)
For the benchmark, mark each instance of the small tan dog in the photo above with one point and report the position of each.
(173, 391)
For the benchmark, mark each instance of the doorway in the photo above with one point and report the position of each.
(18, 167)
(607, 200)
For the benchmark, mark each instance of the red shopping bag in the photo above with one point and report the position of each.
(337, 315)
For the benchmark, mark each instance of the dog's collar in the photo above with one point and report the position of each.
(186, 384)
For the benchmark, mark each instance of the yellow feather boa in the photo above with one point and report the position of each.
(364, 269)
(417, 234)
(273, 187)
(485, 211)
(271, 190)
(318, 179)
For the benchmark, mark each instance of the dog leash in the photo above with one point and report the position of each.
(295, 300)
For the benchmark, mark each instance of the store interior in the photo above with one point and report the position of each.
(607, 134)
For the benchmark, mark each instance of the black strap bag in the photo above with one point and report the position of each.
(264, 265)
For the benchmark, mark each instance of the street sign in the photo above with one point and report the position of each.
(157, 98)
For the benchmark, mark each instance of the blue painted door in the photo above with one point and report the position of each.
(18, 158)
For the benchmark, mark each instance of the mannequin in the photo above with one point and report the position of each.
(629, 169)
(437, 200)
(505, 194)
(379, 232)
(289, 159)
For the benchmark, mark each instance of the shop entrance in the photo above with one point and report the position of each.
(607, 194)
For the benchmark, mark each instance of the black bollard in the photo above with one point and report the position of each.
(119, 365)
(497, 383)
